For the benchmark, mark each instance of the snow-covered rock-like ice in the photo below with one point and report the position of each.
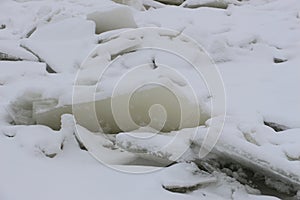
(63, 45)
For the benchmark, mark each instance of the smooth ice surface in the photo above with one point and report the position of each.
(111, 19)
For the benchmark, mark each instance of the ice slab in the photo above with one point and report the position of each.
(174, 112)
(113, 18)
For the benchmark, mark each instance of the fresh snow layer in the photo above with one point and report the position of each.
(70, 164)
(255, 45)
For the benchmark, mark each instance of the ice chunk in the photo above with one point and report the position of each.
(209, 3)
(137, 4)
(21, 109)
(113, 18)
(185, 177)
(102, 148)
(164, 148)
(92, 114)
(62, 45)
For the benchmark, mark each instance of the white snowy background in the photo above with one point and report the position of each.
(255, 44)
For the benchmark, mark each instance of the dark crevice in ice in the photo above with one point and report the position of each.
(154, 65)
(52, 155)
(183, 189)
(9, 135)
(279, 60)
(276, 127)
(48, 68)
(49, 155)
(127, 51)
(172, 3)
(7, 57)
(62, 146)
(206, 6)
(30, 32)
(80, 144)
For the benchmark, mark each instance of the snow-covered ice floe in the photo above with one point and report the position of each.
(44, 77)
(155, 78)
(252, 146)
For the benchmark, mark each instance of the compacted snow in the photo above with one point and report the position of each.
(56, 56)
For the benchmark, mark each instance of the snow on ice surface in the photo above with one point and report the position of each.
(74, 174)
(253, 146)
(256, 139)
(243, 41)
(14, 52)
(63, 45)
(255, 44)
